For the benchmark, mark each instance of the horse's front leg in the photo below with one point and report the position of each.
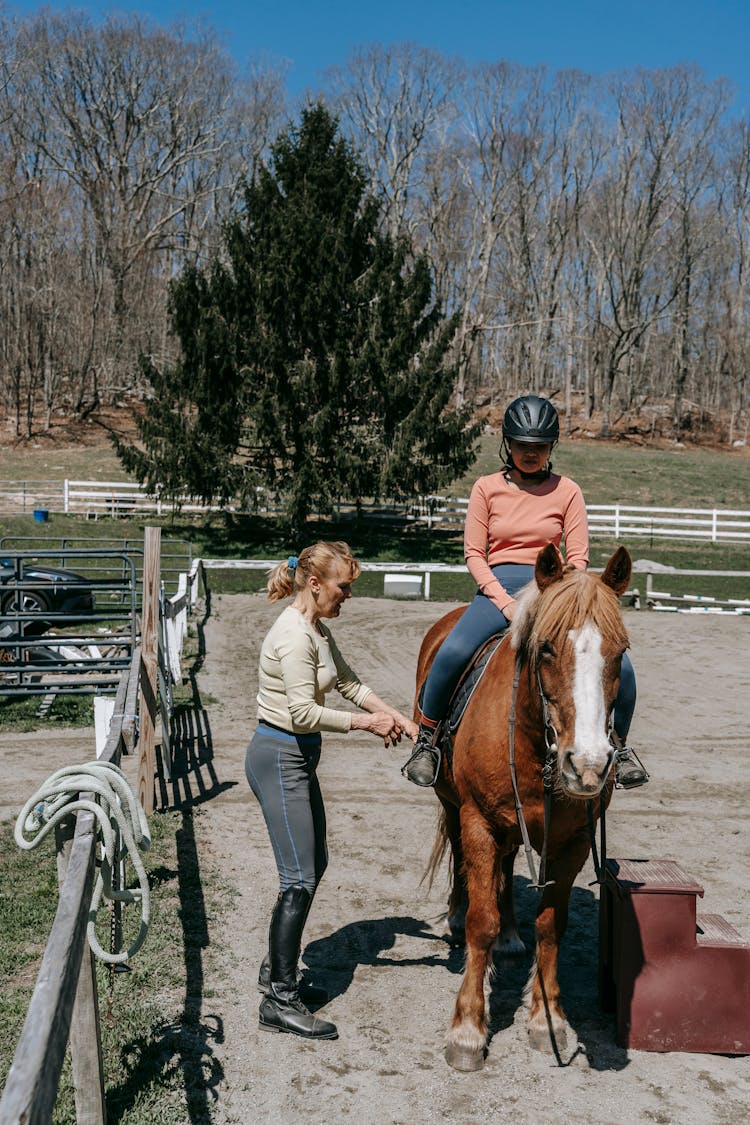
(508, 942)
(547, 1024)
(467, 1038)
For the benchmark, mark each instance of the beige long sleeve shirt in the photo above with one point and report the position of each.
(298, 666)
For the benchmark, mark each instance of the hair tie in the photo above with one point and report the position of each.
(291, 562)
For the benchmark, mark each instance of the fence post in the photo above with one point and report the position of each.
(85, 1030)
(149, 651)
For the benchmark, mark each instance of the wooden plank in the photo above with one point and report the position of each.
(31, 1087)
(127, 732)
(85, 1033)
(86, 1048)
(149, 647)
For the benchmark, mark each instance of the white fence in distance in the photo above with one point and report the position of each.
(413, 580)
(611, 521)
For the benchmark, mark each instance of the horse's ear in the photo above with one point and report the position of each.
(618, 570)
(549, 567)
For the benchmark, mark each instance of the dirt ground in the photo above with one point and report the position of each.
(374, 937)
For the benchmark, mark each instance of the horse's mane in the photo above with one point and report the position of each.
(550, 614)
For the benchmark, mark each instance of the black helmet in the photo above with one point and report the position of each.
(533, 419)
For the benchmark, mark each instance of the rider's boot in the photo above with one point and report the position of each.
(629, 769)
(422, 767)
(282, 1009)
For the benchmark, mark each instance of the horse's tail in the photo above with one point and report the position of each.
(439, 848)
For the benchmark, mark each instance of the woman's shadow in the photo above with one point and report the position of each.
(334, 959)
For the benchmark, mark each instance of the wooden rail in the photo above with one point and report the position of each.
(64, 1005)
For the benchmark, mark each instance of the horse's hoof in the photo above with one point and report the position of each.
(540, 1038)
(464, 1058)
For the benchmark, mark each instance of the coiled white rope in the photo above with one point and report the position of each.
(122, 825)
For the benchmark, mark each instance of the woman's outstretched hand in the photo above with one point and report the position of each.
(388, 727)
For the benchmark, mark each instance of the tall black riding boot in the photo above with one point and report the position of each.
(282, 1009)
(310, 994)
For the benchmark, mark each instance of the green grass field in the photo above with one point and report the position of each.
(608, 472)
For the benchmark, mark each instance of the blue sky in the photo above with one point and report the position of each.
(597, 36)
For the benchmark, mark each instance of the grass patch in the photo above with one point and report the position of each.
(157, 1046)
(619, 473)
(20, 713)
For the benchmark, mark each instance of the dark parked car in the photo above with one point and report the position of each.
(42, 590)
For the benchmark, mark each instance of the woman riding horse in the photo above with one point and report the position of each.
(531, 753)
(511, 516)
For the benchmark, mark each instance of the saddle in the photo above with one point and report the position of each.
(466, 687)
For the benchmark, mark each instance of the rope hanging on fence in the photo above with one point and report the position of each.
(122, 827)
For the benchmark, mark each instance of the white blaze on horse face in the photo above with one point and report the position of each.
(591, 749)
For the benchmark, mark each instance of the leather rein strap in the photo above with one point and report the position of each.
(550, 739)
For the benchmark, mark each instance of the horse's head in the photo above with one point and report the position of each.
(569, 627)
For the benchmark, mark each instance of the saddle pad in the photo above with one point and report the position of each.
(467, 685)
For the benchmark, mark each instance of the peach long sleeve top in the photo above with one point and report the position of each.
(507, 524)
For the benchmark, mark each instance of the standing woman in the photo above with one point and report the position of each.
(299, 663)
(511, 516)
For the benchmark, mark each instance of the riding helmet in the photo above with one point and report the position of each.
(533, 419)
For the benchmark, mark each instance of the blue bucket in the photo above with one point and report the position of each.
(41, 515)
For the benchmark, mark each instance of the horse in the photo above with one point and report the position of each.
(542, 707)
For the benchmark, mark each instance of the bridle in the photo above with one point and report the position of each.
(550, 757)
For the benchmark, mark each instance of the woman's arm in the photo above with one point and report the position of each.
(476, 539)
(576, 530)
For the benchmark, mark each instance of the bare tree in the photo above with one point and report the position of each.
(733, 289)
(631, 221)
(392, 99)
(133, 117)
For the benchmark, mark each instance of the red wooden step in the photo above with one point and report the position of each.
(677, 981)
(715, 930)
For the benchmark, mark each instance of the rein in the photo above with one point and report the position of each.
(550, 740)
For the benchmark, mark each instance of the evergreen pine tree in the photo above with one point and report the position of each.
(314, 360)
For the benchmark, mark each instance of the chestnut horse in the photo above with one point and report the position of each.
(546, 697)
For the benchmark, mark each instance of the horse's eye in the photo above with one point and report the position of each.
(547, 650)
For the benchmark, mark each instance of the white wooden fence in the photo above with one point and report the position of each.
(610, 521)
(413, 580)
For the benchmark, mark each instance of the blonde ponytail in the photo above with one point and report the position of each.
(282, 579)
(321, 559)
